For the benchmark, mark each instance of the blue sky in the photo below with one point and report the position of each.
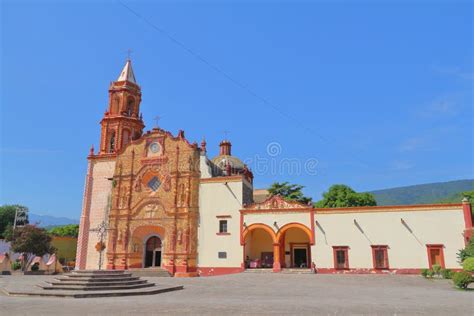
(378, 94)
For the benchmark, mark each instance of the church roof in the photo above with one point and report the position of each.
(127, 73)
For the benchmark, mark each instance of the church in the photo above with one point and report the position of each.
(154, 200)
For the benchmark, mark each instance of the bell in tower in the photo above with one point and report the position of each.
(122, 121)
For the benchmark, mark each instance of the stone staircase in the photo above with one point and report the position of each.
(150, 272)
(96, 283)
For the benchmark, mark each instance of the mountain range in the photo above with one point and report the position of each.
(50, 221)
(440, 192)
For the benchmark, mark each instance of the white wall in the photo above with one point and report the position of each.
(405, 249)
(101, 189)
(216, 199)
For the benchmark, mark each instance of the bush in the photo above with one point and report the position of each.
(16, 265)
(424, 273)
(430, 273)
(446, 273)
(468, 264)
(462, 279)
(35, 267)
(467, 252)
(437, 269)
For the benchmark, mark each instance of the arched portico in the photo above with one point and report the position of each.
(261, 249)
(295, 240)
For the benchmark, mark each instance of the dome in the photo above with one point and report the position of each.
(222, 161)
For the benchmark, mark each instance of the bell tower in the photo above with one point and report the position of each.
(122, 122)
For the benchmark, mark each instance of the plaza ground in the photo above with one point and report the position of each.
(253, 293)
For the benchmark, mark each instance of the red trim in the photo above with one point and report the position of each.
(384, 248)
(212, 271)
(241, 229)
(466, 208)
(313, 232)
(222, 234)
(372, 271)
(395, 208)
(346, 255)
(441, 254)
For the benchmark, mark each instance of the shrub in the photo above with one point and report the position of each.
(467, 252)
(16, 265)
(462, 279)
(430, 273)
(468, 264)
(446, 273)
(35, 267)
(437, 269)
(424, 273)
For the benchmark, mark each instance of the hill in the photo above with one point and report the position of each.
(441, 192)
(48, 221)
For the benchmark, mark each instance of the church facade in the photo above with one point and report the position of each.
(155, 200)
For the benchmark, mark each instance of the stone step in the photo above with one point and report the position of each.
(157, 289)
(258, 270)
(96, 288)
(296, 271)
(150, 272)
(98, 275)
(87, 283)
(98, 271)
(98, 280)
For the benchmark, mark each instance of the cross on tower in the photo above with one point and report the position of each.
(226, 134)
(157, 120)
(129, 53)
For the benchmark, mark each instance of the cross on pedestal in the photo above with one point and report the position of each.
(101, 230)
(157, 120)
(226, 134)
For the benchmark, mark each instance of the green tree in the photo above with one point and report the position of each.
(467, 252)
(30, 241)
(291, 192)
(7, 217)
(340, 195)
(71, 230)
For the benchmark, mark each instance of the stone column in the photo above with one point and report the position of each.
(276, 257)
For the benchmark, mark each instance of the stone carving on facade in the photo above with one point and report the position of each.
(138, 184)
(276, 202)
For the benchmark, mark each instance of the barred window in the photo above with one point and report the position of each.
(223, 226)
(154, 183)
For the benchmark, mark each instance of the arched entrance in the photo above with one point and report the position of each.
(259, 247)
(153, 252)
(295, 243)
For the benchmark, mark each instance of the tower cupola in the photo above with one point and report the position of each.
(122, 122)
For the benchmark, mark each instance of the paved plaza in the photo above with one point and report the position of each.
(250, 293)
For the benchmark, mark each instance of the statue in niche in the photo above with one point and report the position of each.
(138, 184)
